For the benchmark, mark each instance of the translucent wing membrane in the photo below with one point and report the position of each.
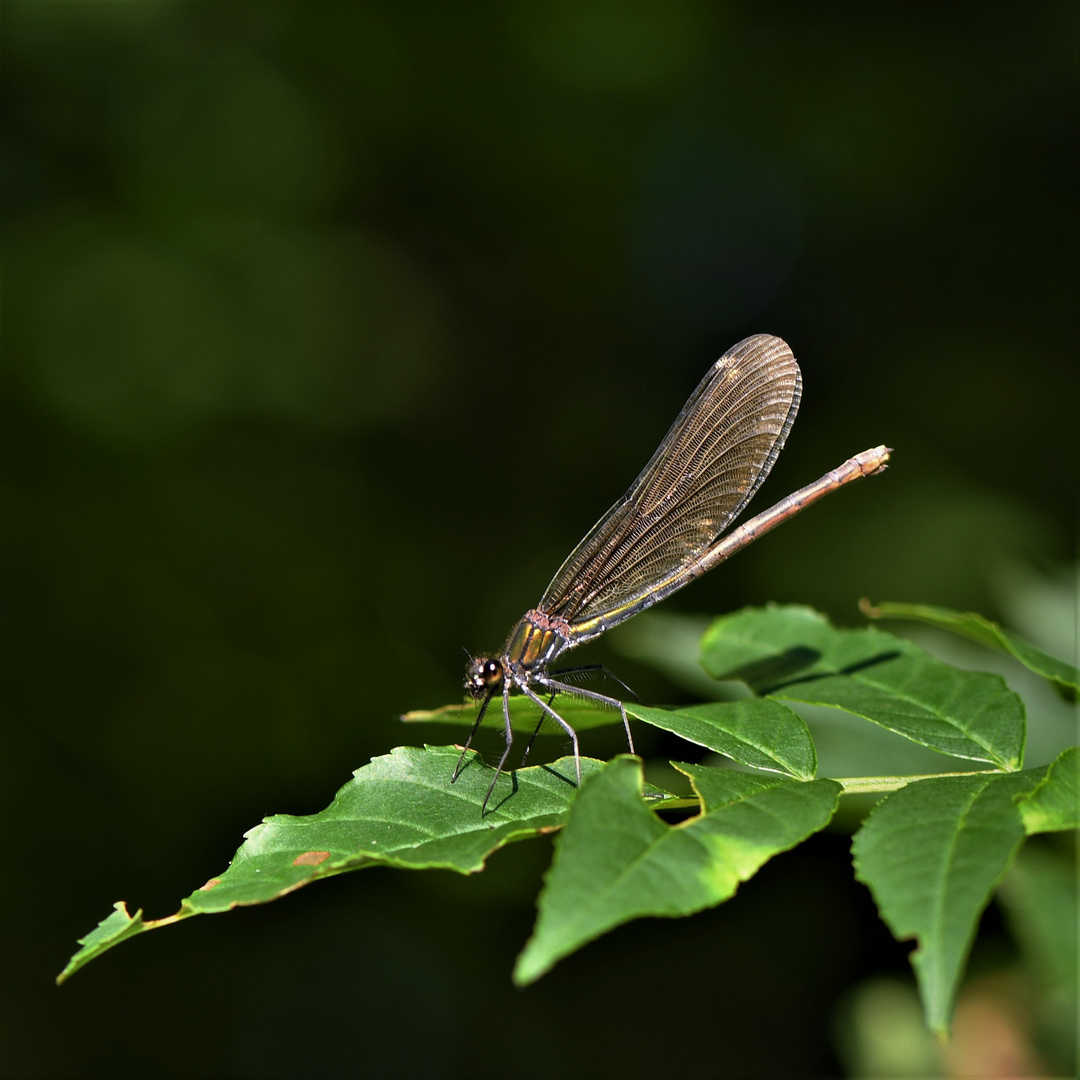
(708, 467)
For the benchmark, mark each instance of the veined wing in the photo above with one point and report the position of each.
(707, 468)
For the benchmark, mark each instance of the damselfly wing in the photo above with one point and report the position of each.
(665, 531)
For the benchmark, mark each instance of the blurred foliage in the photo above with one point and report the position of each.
(330, 329)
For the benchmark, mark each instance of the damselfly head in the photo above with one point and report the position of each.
(483, 676)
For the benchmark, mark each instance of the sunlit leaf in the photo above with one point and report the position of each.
(1055, 803)
(116, 927)
(616, 860)
(399, 810)
(758, 732)
(795, 654)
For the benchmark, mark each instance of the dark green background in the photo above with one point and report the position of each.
(328, 332)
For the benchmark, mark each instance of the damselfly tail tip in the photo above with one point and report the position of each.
(876, 460)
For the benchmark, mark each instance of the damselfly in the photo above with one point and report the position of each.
(664, 532)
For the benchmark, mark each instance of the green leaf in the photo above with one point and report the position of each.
(524, 715)
(755, 731)
(399, 810)
(980, 629)
(117, 927)
(1055, 804)
(616, 860)
(932, 855)
(794, 653)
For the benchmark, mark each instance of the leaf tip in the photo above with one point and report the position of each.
(109, 932)
(529, 967)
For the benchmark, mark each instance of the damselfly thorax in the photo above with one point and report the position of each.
(523, 666)
(665, 531)
(532, 645)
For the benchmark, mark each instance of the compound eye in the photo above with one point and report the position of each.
(483, 675)
(491, 672)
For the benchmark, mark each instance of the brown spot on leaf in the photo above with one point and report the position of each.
(311, 858)
(209, 885)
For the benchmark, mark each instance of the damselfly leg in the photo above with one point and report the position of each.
(583, 670)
